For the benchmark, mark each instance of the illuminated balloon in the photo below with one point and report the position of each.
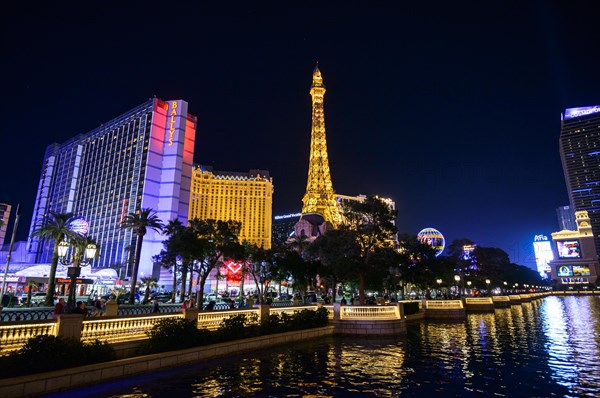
(433, 238)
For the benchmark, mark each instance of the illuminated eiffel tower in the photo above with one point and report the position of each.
(319, 197)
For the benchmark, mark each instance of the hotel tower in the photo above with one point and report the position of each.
(141, 159)
(580, 156)
(228, 195)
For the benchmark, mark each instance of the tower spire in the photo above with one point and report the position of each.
(319, 197)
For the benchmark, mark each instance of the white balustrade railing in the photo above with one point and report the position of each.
(14, 336)
(514, 297)
(444, 304)
(478, 300)
(501, 298)
(115, 330)
(292, 310)
(370, 312)
(212, 319)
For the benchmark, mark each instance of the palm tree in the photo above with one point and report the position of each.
(139, 222)
(54, 226)
(150, 283)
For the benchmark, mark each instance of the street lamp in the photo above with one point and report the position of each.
(78, 260)
(487, 283)
(439, 282)
(457, 279)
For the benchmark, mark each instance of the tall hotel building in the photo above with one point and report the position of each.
(4, 217)
(580, 156)
(244, 197)
(141, 159)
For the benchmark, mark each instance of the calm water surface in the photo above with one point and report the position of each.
(547, 348)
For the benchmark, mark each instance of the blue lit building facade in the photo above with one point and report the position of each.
(566, 218)
(580, 156)
(141, 159)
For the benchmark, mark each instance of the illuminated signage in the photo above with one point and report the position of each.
(568, 249)
(287, 216)
(564, 270)
(540, 238)
(78, 280)
(581, 270)
(576, 112)
(543, 255)
(80, 226)
(172, 121)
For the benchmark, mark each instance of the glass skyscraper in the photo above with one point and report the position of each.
(580, 156)
(141, 159)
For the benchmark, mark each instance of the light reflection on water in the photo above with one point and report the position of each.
(546, 348)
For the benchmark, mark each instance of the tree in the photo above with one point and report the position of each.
(372, 222)
(214, 240)
(140, 222)
(55, 226)
(149, 283)
(339, 255)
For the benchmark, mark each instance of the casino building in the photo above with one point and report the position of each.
(575, 261)
(580, 156)
(228, 195)
(141, 159)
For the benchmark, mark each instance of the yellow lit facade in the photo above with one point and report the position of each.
(244, 197)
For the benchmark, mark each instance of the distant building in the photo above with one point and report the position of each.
(580, 156)
(283, 227)
(228, 195)
(140, 159)
(361, 198)
(566, 218)
(4, 217)
(575, 260)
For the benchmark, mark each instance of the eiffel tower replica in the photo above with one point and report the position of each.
(320, 210)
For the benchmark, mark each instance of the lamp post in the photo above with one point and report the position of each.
(457, 279)
(487, 283)
(78, 260)
(469, 285)
(439, 282)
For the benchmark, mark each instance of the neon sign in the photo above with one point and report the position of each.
(172, 121)
(576, 112)
(540, 238)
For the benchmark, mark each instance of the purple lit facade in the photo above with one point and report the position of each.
(141, 159)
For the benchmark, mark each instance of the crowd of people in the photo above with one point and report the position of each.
(97, 308)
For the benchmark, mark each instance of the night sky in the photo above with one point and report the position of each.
(453, 113)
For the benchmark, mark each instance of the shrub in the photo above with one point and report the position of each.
(238, 327)
(47, 353)
(174, 334)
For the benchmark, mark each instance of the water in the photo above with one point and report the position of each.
(547, 348)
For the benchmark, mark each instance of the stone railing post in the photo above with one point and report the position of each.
(69, 326)
(112, 309)
(191, 314)
(401, 310)
(263, 311)
(337, 311)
